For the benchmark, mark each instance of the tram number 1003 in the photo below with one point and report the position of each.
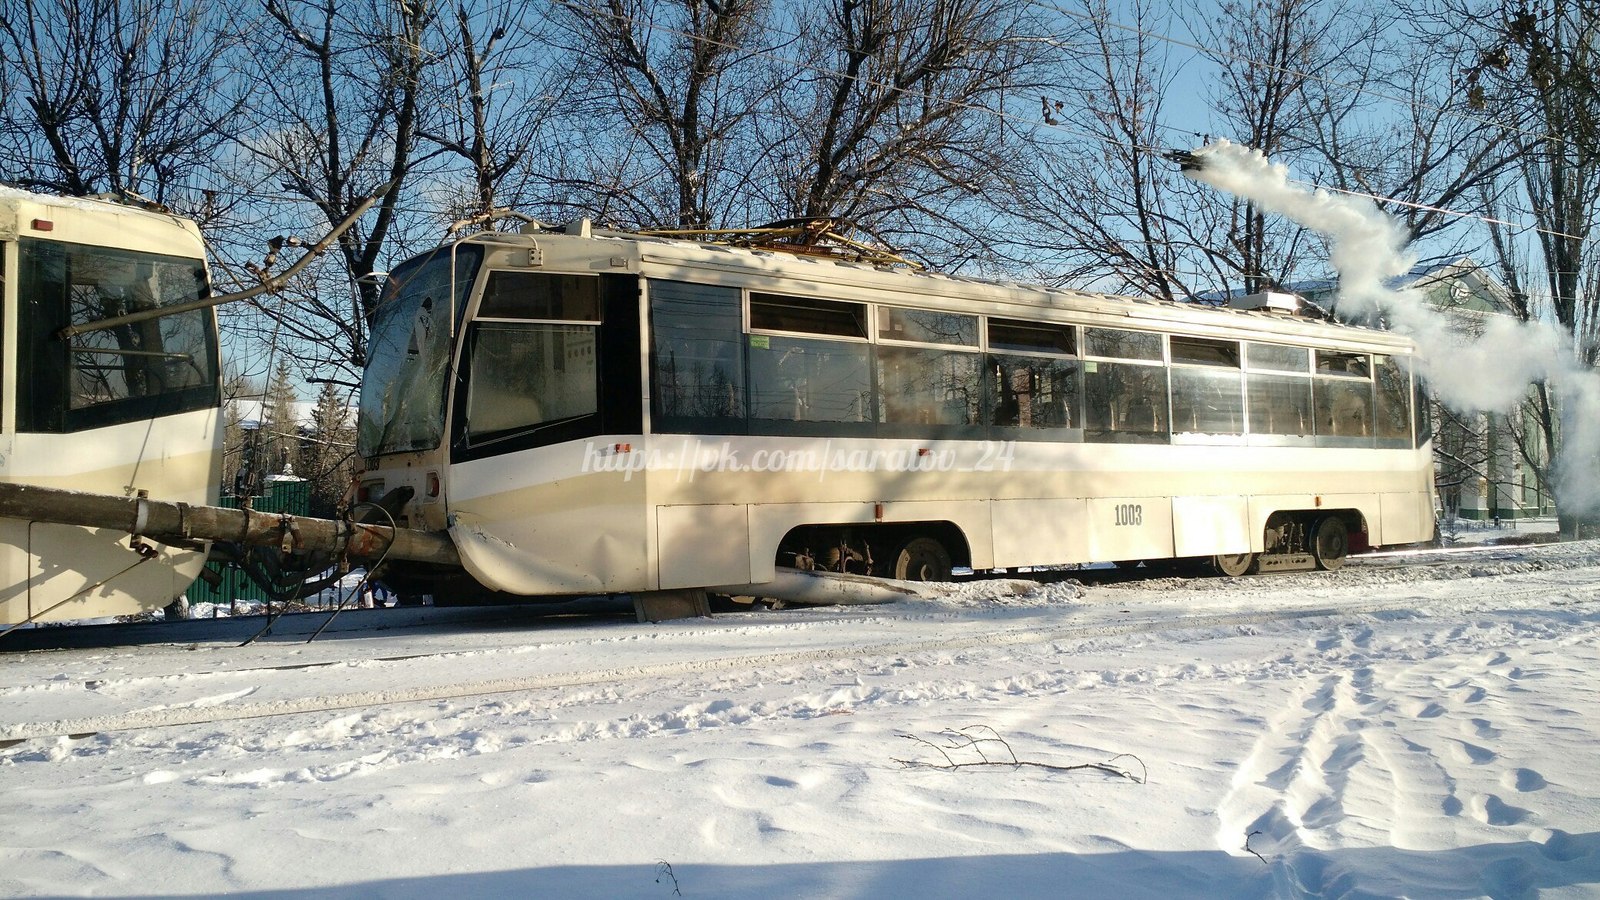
(1130, 514)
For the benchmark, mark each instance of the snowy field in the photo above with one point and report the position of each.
(1426, 731)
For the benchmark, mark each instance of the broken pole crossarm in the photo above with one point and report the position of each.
(269, 285)
(161, 521)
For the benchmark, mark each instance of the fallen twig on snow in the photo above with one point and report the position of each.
(965, 742)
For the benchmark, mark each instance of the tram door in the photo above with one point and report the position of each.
(13, 532)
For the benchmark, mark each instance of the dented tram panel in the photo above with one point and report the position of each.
(627, 413)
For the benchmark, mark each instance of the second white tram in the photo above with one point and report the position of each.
(123, 411)
(604, 412)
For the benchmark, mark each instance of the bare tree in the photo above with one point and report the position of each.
(670, 88)
(895, 119)
(350, 136)
(498, 109)
(1531, 67)
(129, 97)
(1104, 207)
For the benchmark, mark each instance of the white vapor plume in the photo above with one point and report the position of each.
(1487, 372)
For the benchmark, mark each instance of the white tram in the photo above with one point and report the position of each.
(603, 412)
(124, 410)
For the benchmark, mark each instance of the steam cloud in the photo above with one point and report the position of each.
(1488, 372)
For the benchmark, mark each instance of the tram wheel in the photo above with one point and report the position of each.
(1330, 541)
(922, 559)
(1234, 564)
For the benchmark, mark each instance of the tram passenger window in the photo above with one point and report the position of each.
(1275, 358)
(1190, 351)
(539, 295)
(928, 387)
(1344, 407)
(1032, 337)
(1207, 401)
(1035, 392)
(1124, 402)
(1393, 389)
(805, 380)
(809, 315)
(697, 358)
(927, 327)
(1120, 344)
(522, 376)
(1280, 405)
(1356, 365)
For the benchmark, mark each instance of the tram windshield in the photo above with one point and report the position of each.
(403, 389)
(159, 366)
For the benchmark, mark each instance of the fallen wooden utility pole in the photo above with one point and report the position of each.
(167, 522)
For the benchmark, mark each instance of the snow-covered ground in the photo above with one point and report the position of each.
(1427, 731)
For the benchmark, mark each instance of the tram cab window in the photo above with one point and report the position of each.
(538, 295)
(1124, 401)
(1207, 386)
(531, 376)
(1424, 412)
(1342, 394)
(159, 366)
(1393, 393)
(697, 358)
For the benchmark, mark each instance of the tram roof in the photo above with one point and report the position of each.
(88, 220)
(644, 253)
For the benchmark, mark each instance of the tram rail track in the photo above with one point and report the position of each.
(1321, 604)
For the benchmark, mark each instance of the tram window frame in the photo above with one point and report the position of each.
(1258, 357)
(832, 319)
(897, 323)
(1040, 352)
(1202, 370)
(1152, 351)
(1337, 375)
(1392, 422)
(1015, 336)
(725, 307)
(54, 400)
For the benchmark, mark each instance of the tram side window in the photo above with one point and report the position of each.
(1342, 392)
(1280, 404)
(1393, 389)
(1124, 401)
(1207, 387)
(159, 366)
(1038, 391)
(697, 358)
(918, 386)
(1424, 411)
(809, 380)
